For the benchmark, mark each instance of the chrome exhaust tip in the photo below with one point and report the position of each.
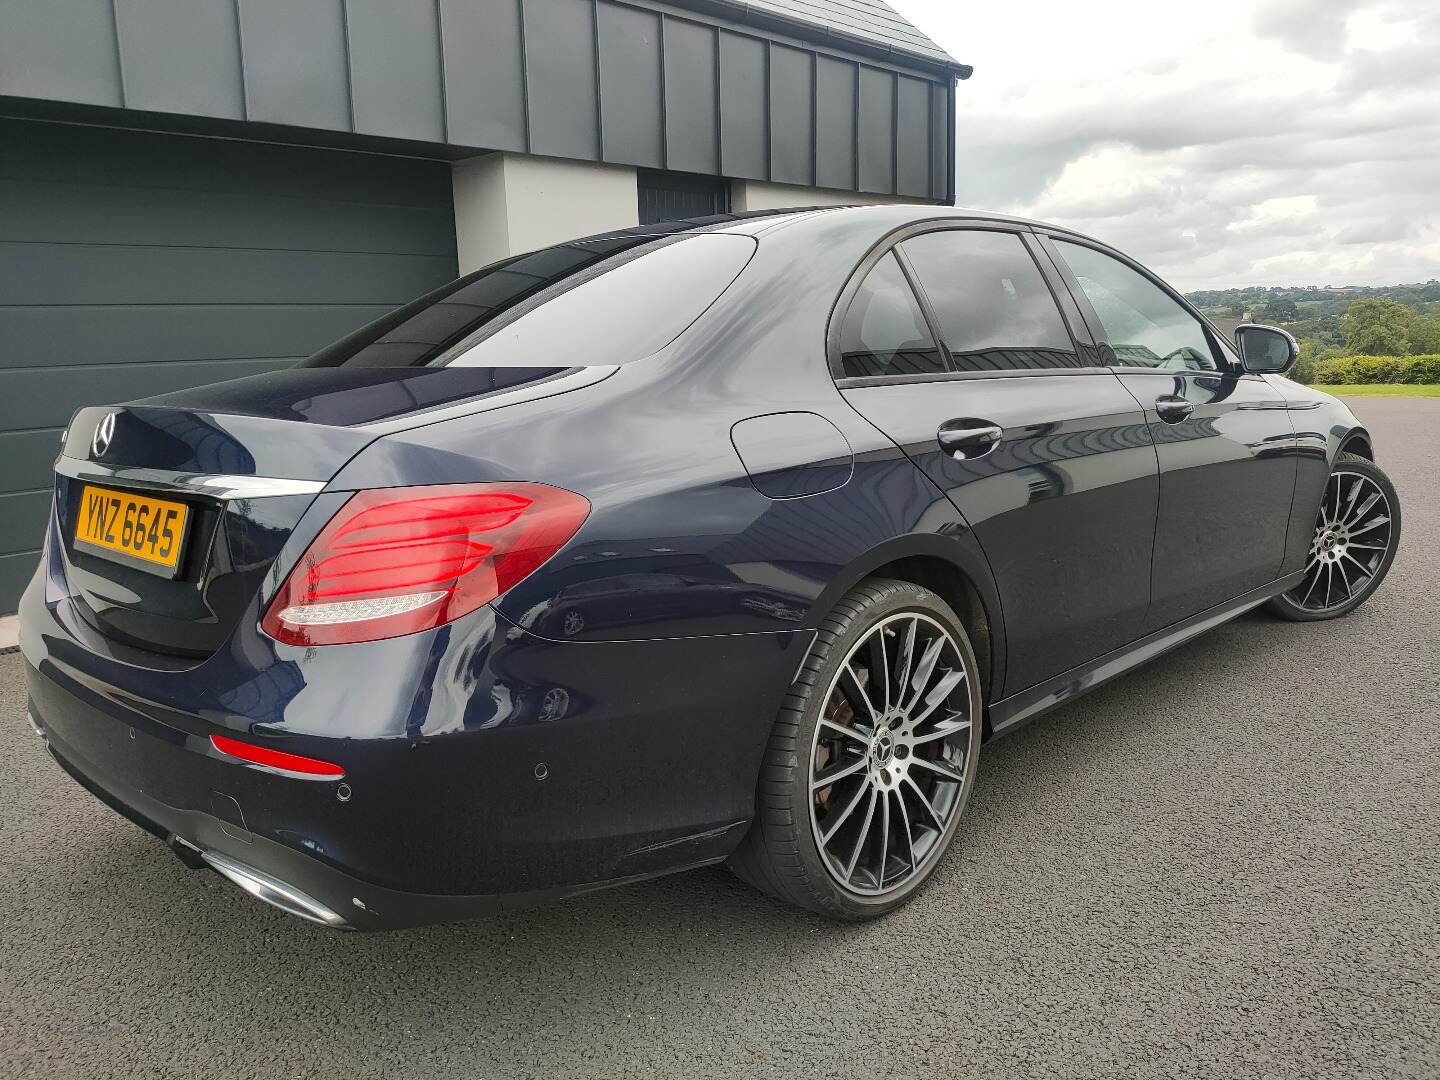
(273, 891)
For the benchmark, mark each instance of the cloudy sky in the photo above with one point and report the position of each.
(1231, 143)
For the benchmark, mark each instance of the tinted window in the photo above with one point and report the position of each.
(1142, 322)
(994, 308)
(884, 332)
(587, 303)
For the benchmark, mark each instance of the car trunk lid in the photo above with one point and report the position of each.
(245, 459)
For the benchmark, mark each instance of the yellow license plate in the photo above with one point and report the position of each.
(143, 532)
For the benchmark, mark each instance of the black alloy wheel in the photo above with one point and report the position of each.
(872, 759)
(1356, 534)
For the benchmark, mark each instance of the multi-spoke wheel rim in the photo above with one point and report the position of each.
(1352, 537)
(890, 761)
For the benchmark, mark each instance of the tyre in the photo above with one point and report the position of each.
(872, 758)
(1356, 534)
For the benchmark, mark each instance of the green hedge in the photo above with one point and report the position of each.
(1379, 369)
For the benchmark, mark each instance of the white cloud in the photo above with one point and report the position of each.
(1251, 142)
(1316, 28)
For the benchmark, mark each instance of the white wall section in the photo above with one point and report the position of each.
(509, 203)
(758, 195)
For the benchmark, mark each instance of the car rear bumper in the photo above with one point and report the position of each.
(296, 883)
(484, 767)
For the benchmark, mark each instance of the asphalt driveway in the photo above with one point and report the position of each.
(1224, 865)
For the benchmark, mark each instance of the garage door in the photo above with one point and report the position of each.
(133, 264)
(668, 196)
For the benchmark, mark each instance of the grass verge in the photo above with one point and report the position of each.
(1383, 390)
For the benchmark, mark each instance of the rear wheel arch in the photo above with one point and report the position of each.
(951, 584)
(784, 852)
(946, 568)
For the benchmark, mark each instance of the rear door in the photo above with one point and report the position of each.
(954, 345)
(1223, 437)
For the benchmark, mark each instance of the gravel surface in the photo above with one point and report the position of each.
(1224, 865)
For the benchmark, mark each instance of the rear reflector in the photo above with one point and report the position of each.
(397, 561)
(276, 759)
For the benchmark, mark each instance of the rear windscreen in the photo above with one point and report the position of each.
(581, 304)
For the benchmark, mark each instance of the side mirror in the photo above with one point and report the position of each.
(1266, 350)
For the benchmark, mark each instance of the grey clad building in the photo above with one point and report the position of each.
(195, 190)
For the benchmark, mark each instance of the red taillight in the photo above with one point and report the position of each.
(276, 759)
(399, 560)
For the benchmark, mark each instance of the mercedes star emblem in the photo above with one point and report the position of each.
(104, 432)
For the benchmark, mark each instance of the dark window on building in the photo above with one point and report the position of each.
(1144, 325)
(994, 308)
(675, 196)
(582, 304)
(884, 332)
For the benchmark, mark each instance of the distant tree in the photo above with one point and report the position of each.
(1312, 352)
(1323, 331)
(1303, 370)
(1425, 335)
(1377, 328)
(1279, 311)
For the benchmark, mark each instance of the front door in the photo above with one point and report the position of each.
(1049, 462)
(1224, 439)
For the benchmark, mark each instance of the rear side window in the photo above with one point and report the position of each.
(583, 304)
(884, 332)
(1143, 324)
(995, 310)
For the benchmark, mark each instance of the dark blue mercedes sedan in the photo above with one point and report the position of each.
(730, 540)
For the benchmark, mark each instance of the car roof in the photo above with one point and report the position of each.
(888, 214)
(878, 219)
(882, 217)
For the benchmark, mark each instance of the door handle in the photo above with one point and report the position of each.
(966, 439)
(1173, 409)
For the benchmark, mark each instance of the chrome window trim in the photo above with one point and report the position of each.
(851, 382)
(560, 383)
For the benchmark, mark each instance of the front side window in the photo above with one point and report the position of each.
(884, 332)
(995, 311)
(1141, 321)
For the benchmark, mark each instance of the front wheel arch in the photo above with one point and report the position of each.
(1344, 530)
(1358, 443)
